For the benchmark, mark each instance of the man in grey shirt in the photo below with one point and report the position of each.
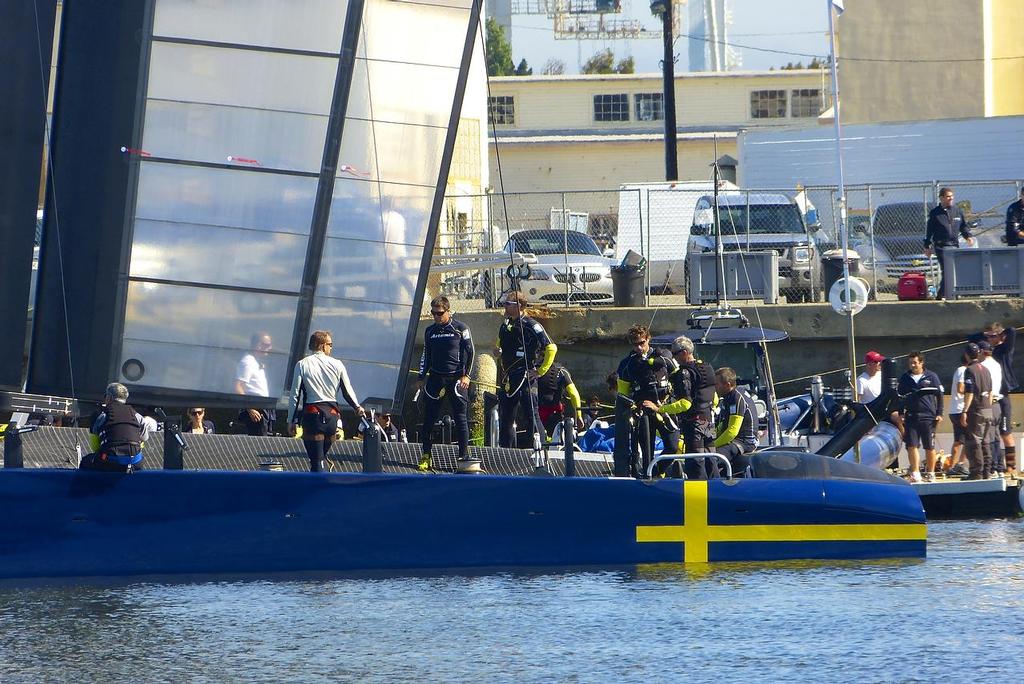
(313, 401)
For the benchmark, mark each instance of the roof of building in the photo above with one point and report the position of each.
(656, 76)
(623, 135)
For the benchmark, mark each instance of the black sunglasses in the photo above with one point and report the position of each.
(437, 313)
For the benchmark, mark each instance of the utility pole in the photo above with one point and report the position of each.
(664, 9)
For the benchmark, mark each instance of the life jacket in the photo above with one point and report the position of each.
(648, 375)
(702, 389)
(549, 386)
(120, 435)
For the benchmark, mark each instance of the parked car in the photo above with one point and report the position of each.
(570, 267)
(897, 231)
(759, 222)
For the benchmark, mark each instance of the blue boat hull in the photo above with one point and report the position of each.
(71, 523)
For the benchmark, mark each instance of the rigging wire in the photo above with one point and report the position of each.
(43, 67)
(525, 385)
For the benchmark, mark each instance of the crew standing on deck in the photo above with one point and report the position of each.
(693, 388)
(526, 354)
(313, 402)
(445, 366)
(921, 392)
(1015, 222)
(976, 418)
(644, 379)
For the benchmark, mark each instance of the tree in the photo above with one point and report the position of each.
(553, 67)
(524, 69)
(600, 63)
(498, 50)
(626, 65)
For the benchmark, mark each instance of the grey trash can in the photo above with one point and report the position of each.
(627, 285)
(832, 266)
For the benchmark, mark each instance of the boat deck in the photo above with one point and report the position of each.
(50, 447)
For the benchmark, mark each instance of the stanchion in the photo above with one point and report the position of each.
(373, 461)
(174, 443)
(569, 443)
(14, 456)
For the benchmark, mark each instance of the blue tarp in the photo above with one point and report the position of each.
(602, 440)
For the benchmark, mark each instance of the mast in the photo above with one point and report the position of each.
(835, 8)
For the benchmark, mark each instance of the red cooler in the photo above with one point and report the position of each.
(912, 286)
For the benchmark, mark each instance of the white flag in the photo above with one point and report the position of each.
(838, 6)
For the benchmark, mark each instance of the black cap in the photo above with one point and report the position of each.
(972, 350)
(984, 346)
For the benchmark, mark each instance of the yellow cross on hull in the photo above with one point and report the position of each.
(697, 535)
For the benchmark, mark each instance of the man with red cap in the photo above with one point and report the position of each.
(869, 383)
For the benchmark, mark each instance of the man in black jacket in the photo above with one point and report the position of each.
(1002, 341)
(946, 223)
(445, 366)
(1015, 222)
(921, 393)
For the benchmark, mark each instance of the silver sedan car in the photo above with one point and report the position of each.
(569, 267)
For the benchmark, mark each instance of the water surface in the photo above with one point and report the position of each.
(957, 615)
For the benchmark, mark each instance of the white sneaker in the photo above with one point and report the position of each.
(914, 477)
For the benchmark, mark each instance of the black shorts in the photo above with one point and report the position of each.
(958, 431)
(1004, 418)
(919, 432)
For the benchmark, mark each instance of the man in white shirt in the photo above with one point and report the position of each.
(251, 380)
(869, 383)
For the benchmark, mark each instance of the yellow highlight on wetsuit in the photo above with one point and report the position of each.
(696, 534)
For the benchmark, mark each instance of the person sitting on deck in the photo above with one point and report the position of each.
(736, 427)
(117, 434)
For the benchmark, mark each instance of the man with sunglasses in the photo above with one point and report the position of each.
(445, 366)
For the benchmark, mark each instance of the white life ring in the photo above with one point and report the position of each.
(858, 295)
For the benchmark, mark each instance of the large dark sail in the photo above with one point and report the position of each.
(26, 39)
(249, 172)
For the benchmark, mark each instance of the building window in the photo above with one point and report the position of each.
(807, 102)
(768, 104)
(501, 110)
(649, 107)
(611, 107)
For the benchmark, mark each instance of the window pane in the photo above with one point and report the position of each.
(395, 31)
(611, 107)
(363, 331)
(407, 154)
(402, 93)
(357, 211)
(807, 102)
(250, 137)
(225, 197)
(193, 338)
(245, 78)
(258, 259)
(371, 271)
(649, 107)
(502, 110)
(768, 104)
(298, 24)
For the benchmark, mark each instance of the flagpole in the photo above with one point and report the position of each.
(833, 6)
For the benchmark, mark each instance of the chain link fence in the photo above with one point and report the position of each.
(578, 236)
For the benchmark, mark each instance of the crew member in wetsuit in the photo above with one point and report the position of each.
(445, 366)
(551, 388)
(736, 429)
(693, 389)
(313, 401)
(644, 379)
(117, 434)
(976, 418)
(521, 340)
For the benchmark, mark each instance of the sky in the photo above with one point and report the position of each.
(786, 26)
